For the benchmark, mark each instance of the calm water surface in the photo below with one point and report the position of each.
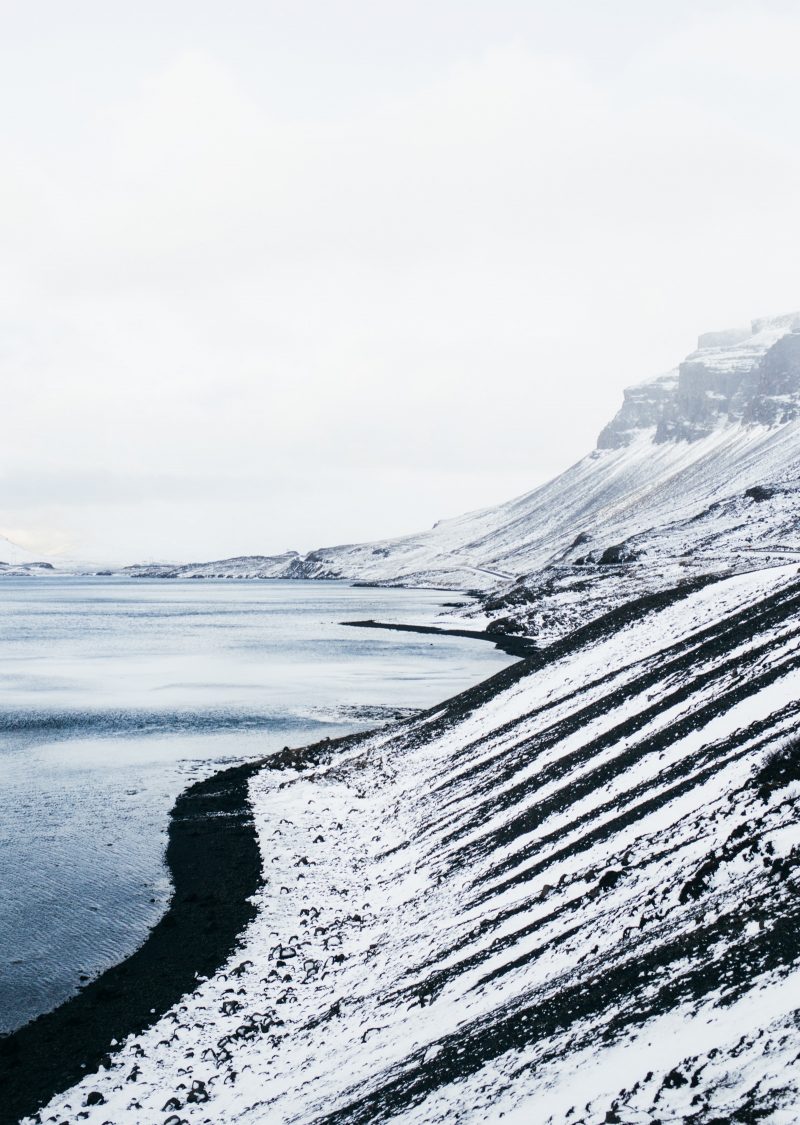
(116, 694)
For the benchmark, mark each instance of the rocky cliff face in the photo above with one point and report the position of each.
(734, 376)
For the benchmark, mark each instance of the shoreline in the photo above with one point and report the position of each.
(215, 866)
(522, 647)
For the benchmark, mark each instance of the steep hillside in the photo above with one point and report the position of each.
(570, 895)
(695, 452)
(722, 424)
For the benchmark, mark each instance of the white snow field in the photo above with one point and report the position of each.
(568, 895)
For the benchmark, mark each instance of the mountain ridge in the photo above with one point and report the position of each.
(725, 422)
(733, 375)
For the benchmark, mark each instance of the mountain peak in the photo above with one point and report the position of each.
(749, 376)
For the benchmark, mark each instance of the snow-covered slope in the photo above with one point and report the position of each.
(690, 445)
(570, 895)
(242, 566)
(722, 424)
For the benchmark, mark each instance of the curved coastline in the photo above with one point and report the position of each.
(215, 865)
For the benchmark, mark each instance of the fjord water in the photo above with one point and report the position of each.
(116, 694)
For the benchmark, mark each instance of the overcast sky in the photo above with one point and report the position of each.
(287, 274)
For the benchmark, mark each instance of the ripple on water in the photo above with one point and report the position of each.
(115, 696)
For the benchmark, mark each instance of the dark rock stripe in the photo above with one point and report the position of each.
(602, 776)
(674, 663)
(527, 749)
(671, 785)
(622, 994)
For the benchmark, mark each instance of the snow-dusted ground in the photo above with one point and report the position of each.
(571, 894)
(566, 896)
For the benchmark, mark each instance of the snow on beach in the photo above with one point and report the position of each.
(563, 893)
(571, 893)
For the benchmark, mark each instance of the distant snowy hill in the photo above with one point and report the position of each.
(17, 560)
(242, 566)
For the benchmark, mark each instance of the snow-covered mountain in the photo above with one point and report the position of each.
(708, 454)
(750, 376)
(723, 423)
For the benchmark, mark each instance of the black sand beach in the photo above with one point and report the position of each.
(215, 864)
